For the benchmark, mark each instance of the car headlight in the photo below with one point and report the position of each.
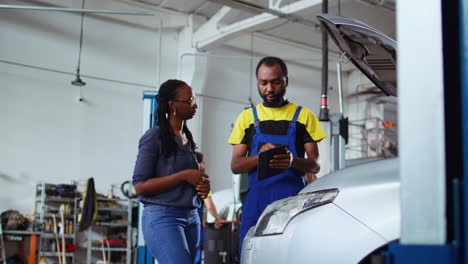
(278, 214)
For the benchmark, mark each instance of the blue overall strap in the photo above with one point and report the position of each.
(293, 121)
(256, 120)
(296, 115)
(254, 109)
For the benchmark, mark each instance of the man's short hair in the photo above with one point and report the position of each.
(271, 61)
(199, 156)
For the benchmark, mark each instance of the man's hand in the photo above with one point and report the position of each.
(309, 164)
(266, 147)
(281, 161)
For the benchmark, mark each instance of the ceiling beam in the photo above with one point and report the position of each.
(213, 23)
(291, 51)
(274, 4)
(205, 40)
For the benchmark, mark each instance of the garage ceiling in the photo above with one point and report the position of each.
(300, 27)
(269, 24)
(232, 22)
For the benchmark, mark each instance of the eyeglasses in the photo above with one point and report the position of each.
(192, 101)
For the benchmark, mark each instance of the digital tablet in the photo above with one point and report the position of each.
(263, 169)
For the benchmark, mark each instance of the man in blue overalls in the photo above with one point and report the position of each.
(274, 122)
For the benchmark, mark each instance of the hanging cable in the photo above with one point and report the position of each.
(78, 81)
(81, 36)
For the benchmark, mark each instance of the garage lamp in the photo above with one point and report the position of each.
(277, 215)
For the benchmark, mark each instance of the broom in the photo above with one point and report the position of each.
(62, 216)
(57, 244)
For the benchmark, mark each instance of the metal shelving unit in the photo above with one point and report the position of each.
(95, 248)
(371, 141)
(55, 254)
(47, 205)
(2, 247)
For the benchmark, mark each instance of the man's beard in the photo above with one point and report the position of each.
(277, 100)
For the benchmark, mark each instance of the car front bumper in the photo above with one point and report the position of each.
(325, 234)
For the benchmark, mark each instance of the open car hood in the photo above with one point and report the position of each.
(368, 49)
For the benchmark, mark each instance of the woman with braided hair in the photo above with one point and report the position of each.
(167, 180)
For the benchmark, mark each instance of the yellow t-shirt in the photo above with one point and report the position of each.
(276, 120)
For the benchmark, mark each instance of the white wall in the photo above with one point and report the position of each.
(46, 134)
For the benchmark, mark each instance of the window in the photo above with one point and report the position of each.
(150, 104)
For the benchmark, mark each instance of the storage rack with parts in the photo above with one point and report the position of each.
(55, 210)
(2, 247)
(110, 238)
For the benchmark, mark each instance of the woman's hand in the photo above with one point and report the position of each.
(200, 180)
(194, 177)
(203, 187)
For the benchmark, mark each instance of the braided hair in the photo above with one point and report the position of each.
(167, 92)
(199, 156)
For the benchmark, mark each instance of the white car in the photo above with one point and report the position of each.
(352, 214)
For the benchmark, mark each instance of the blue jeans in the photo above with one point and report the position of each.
(171, 233)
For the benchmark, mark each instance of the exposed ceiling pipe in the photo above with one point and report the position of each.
(73, 74)
(63, 9)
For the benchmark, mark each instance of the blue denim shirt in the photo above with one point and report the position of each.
(151, 163)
